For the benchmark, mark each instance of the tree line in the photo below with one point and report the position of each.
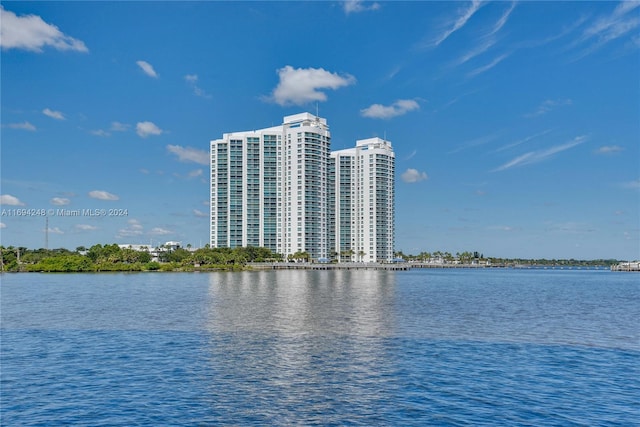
(468, 257)
(111, 257)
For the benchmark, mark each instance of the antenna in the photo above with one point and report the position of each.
(317, 110)
(46, 233)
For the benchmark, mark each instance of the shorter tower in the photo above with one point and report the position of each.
(362, 208)
(246, 189)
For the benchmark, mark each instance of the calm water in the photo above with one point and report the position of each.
(429, 347)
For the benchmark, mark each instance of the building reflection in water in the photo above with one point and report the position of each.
(303, 302)
(293, 339)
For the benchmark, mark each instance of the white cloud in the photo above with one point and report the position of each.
(147, 68)
(3, 225)
(102, 195)
(549, 105)
(299, 86)
(503, 19)
(115, 127)
(501, 228)
(609, 28)
(144, 129)
(22, 126)
(482, 140)
(195, 173)
(394, 72)
(538, 156)
(100, 132)
(489, 39)
(189, 154)
(86, 227)
(523, 140)
(197, 91)
(8, 199)
(456, 99)
(30, 32)
(55, 230)
(158, 231)
(459, 22)
(570, 227)
(134, 224)
(398, 108)
(609, 149)
(413, 175)
(132, 230)
(489, 66)
(355, 6)
(200, 214)
(128, 232)
(192, 80)
(478, 50)
(566, 30)
(118, 127)
(614, 25)
(60, 201)
(633, 185)
(53, 114)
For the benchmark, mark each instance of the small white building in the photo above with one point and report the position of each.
(139, 248)
(153, 251)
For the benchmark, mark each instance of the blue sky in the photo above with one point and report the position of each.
(516, 125)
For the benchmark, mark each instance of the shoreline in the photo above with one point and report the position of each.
(406, 266)
(410, 265)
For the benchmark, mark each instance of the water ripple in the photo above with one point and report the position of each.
(339, 349)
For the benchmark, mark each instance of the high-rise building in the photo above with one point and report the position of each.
(362, 214)
(282, 188)
(246, 190)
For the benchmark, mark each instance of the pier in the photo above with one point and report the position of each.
(329, 266)
(626, 266)
(404, 266)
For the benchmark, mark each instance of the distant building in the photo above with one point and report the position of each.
(282, 188)
(171, 246)
(153, 251)
(139, 248)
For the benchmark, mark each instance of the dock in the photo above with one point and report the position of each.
(329, 266)
(626, 266)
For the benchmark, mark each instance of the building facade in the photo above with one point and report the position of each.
(363, 209)
(280, 188)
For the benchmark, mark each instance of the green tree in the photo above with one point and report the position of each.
(63, 263)
(177, 255)
(300, 256)
(9, 258)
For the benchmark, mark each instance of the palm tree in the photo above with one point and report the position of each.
(448, 257)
